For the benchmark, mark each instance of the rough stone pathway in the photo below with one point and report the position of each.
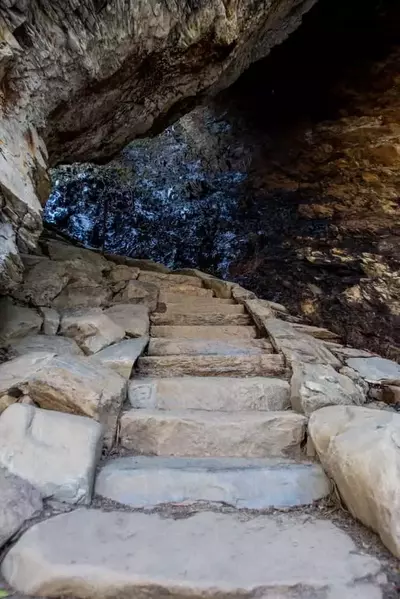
(211, 409)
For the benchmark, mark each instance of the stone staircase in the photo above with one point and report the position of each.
(208, 491)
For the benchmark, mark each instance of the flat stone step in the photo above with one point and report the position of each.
(241, 483)
(169, 280)
(204, 308)
(194, 433)
(210, 332)
(168, 287)
(211, 347)
(161, 366)
(200, 319)
(203, 393)
(95, 554)
(168, 297)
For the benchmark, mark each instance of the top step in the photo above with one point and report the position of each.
(169, 297)
(165, 281)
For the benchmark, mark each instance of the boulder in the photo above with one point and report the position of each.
(138, 292)
(54, 344)
(60, 251)
(17, 321)
(314, 386)
(375, 369)
(20, 501)
(86, 293)
(121, 272)
(67, 384)
(43, 283)
(360, 449)
(92, 329)
(133, 319)
(51, 320)
(121, 356)
(57, 453)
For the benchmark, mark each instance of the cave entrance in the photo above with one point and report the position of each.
(288, 182)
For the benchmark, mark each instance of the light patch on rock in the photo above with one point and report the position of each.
(57, 453)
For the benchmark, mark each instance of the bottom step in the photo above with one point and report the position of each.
(93, 554)
(253, 484)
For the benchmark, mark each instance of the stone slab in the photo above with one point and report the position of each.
(125, 555)
(20, 501)
(241, 483)
(204, 347)
(194, 433)
(57, 453)
(375, 369)
(204, 308)
(167, 297)
(198, 332)
(139, 292)
(91, 328)
(121, 356)
(55, 344)
(168, 280)
(134, 319)
(200, 319)
(239, 366)
(201, 393)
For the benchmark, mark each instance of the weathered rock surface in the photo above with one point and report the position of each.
(188, 307)
(209, 366)
(121, 356)
(51, 320)
(57, 453)
(198, 332)
(202, 393)
(133, 319)
(17, 321)
(200, 319)
(121, 273)
(11, 266)
(68, 384)
(91, 328)
(54, 344)
(212, 434)
(104, 554)
(166, 297)
(165, 281)
(209, 347)
(253, 484)
(20, 501)
(314, 386)
(360, 450)
(375, 369)
(138, 292)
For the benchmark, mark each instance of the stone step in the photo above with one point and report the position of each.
(210, 332)
(217, 394)
(170, 287)
(169, 280)
(203, 308)
(200, 319)
(162, 366)
(95, 554)
(200, 433)
(167, 297)
(204, 347)
(256, 484)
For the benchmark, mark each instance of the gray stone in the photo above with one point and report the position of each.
(57, 453)
(315, 386)
(11, 267)
(198, 332)
(360, 449)
(19, 502)
(84, 293)
(139, 292)
(202, 393)
(121, 356)
(209, 347)
(200, 319)
(61, 251)
(17, 321)
(62, 346)
(197, 433)
(375, 369)
(253, 484)
(91, 328)
(121, 272)
(51, 320)
(91, 554)
(134, 319)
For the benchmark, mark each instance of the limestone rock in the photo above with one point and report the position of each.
(314, 386)
(121, 356)
(197, 433)
(187, 307)
(360, 450)
(19, 502)
(139, 292)
(241, 483)
(106, 554)
(317, 332)
(297, 346)
(92, 329)
(133, 319)
(218, 394)
(51, 320)
(57, 453)
(67, 384)
(54, 344)
(17, 321)
(375, 369)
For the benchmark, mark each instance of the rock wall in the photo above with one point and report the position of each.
(82, 79)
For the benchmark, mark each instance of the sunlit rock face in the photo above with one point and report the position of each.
(288, 182)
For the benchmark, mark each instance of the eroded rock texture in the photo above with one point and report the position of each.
(84, 78)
